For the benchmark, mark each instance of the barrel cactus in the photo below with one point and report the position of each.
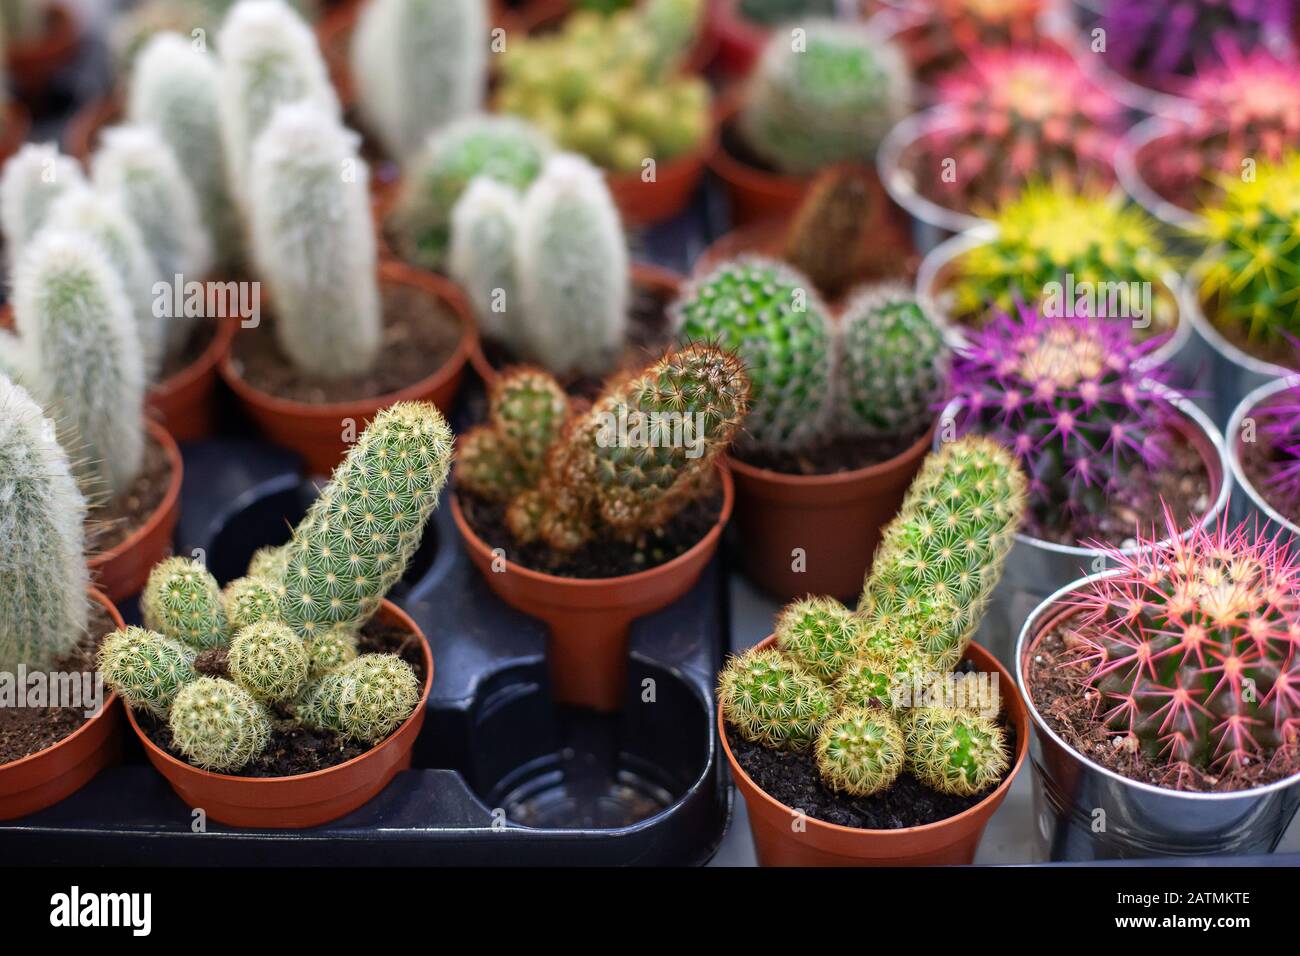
(269, 660)
(819, 634)
(772, 701)
(250, 600)
(956, 752)
(218, 725)
(860, 751)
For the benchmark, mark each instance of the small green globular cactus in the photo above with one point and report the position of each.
(484, 229)
(417, 65)
(181, 600)
(358, 536)
(486, 465)
(73, 316)
(43, 578)
(773, 319)
(528, 408)
(269, 564)
(893, 364)
(365, 699)
(819, 634)
(218, 725)
(866, 681)
(860, 751)
(955, 751)
(771, 701)
(269, 661)
(147, 669)
(313, 242)
(332, 649)
(831, 98)
(32, 180)
(250, 600)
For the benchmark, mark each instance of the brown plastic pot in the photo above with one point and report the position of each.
(316, 431)
(33, 63)
(785, 837)
(833, 521)
(44, 778)
(184, 403)
(81, 135)
(304, 800)
(588, 618)
(756, 194)
(17, 124)
(121, 571)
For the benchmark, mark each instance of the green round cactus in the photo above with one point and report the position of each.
(269, 661)
(218, 725)
(860, 751)
(866, 681)
(332, 649)
(270, 564)
(819, 634)
(181, 600)
(771, 701)
(147, 669)
(365, 699)
(955, 751)
(250, 600)
(486, 465)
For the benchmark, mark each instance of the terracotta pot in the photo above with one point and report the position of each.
(316, 431)
(755, 194)
(17, 124)
(834, 520)
(645, 203)
(334, 35)
(184, 403)
(81, 135)
(588, 618)
(33, 63)
(121, 571)
(304, 800)
(817, 843)
(48, 776)
(738, 41)
(655, 279)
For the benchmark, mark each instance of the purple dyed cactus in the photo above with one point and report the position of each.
(1279, 428)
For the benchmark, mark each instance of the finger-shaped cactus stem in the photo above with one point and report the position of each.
(32, 180)
(181, 600)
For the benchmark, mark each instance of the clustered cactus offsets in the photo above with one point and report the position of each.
(618, 471)
(871, 693)
(289, 631)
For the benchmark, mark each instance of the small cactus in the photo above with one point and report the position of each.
(269, 564)
(269, 661)
(181, 600)
(332, 649)
(218, 725)
(365, 699)
(955, 751)
(484, 230)
(832, 237)
(859, 751)
(866, 681)
(818, 634)
(250, 600)
(32, 180)
(773, 702)
(147, 669)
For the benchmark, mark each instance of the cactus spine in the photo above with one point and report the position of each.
(147, 669)
(218, 725)
(32, 180)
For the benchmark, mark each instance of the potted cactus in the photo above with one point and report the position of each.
(589, 518)
(1163, 695)
(294, 695)
(940, 35)
(50, 619)
(1107, 445)
(739, 29)
(841, 415)
(1263, 441)
(40, 38)
(849, 735)
(824, 92)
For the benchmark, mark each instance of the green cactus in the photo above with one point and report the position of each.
(860, 751)
(828, 94)
(43, 579)
(250, 600)
(147, 669)
(819, 634)
(332, 649)
(486, 465)
(365, 699)
(218, 725)
(866, 681)
(770, 700)
(33, 178)
(955, 751)
(270, 564)
(269, 661)
(181, 600)
(484, 230)
(526, 410)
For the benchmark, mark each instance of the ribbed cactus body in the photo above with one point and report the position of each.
(484, 230)
(269, 660)
(859, 751)
(771, 701)
(250, 600)
(32, 180)
(955, 751)
(819, 634)
(147, 669)
(417, 65)
(181, 600)
(218, 725)
(365, 699)
(43, 579)
(314, 243)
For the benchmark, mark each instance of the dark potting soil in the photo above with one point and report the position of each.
(420, 336)
(1258, 459)
(28, 730)
(1282, 352)
(199, 340)
(1053, 685)
(604, 557)
(295, 749)
(110, 525)
(829, 457)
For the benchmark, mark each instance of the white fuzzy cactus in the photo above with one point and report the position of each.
(314, 241)
(418, 64)
(73, 316)
(572, 269)
(15, 358)
(43, 606)
(174, 89)
(269, 58)
(484, 227)
(33, 178)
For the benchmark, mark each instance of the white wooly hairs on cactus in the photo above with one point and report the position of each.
(15, 359)
(572, 262)
(174, 89)
(314, 242)
(101, 217)
(32, 179)
(484, 226)
(269, 57)
(43, 578)
(418, 64)
(71, 310)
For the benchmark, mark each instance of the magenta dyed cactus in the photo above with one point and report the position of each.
(1279, 428)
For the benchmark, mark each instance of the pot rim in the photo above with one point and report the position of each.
(1252, 400)
(206, 361)
(889, 166)
(838, 478)
(997, 793)
(168, 505)
(386, 606)
(116, 617)
(707, 541)
(1048, 612)
(1139, 136)
(1192, 308)
(390, 270)
(1199, 420)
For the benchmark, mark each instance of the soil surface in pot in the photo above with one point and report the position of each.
(832, 457)
(603, 557)
(199, 340)
(1052, 679)
(109, 525)
(28, 730)
(420, 336)
(1283, 353)
(295, 749)
(1259, 460)
(733, 141)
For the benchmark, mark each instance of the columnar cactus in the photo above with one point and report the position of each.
(770, 700)
(365, 699)
(417, 65)
(825, 94)
(955, 751)
(74, 318)
(819, 634)
(218, 725)
(269, 660)
(484, 230)
(33, 178)
(526, 410)
(313, 242)
(860, 751)
(43, 579)
(181, 600)
(832, 236)
(147, 669)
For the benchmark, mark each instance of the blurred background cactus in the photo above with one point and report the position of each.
(32, 180)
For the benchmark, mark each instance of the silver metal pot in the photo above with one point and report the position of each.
(1250, 504)
(1083, 811)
